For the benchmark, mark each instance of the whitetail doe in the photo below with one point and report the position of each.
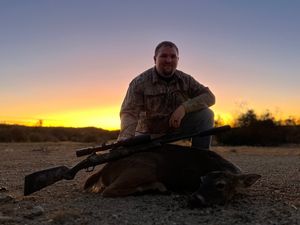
(209, 178)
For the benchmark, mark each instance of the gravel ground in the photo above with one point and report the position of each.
(274, 199)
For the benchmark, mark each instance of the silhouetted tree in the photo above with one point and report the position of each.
(267, 120)
(290, 122)
(39, 123)
(247, 119)
(219, 121)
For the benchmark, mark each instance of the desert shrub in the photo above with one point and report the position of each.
(58, 133)
(36, 137)
(261, 136)
(264, 130)
(5, 136)
(16, 133)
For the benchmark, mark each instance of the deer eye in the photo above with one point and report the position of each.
(201, 180)
(220, 185)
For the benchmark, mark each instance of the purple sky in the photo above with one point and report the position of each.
(60, 58)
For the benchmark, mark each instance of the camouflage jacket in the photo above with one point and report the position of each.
(150, 101)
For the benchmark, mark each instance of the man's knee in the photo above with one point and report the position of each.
(203, 119)
(207, 115)
(204, 115)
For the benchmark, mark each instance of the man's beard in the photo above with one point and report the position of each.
(168, 72)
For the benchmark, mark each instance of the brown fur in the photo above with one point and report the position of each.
(171, 167)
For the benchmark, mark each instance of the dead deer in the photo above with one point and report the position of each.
(209, 177)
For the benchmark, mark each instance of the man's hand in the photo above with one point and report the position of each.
(176, 117)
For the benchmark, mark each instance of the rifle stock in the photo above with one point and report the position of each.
(41, 179)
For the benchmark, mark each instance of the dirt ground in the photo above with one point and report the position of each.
(274, 199)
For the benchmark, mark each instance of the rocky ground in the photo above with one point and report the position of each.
(274, 199)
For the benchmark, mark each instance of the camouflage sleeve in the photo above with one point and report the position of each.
(200, 97)
(130, 110)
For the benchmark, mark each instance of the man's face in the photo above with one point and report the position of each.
(166, 61)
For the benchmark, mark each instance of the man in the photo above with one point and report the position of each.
(163, 99)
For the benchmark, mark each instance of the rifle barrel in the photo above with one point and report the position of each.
(140, 139)
(176, 137)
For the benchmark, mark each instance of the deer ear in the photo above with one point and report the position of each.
(246, 180)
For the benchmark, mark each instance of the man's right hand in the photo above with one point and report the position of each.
(176, 117)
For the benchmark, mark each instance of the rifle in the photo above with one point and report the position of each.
(146, 138)
(140, 139)
(41, 179)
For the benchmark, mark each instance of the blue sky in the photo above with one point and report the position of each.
(64, 57)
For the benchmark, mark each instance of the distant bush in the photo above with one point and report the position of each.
(264, 130)
(17, 133)
(262, 136)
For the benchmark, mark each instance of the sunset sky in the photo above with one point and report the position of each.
(69, 62)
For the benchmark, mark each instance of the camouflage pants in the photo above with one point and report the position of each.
(198, 121)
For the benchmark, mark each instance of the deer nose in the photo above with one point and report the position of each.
(196, 201)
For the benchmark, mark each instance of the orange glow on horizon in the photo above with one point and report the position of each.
(224, 118)
(105, 118)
